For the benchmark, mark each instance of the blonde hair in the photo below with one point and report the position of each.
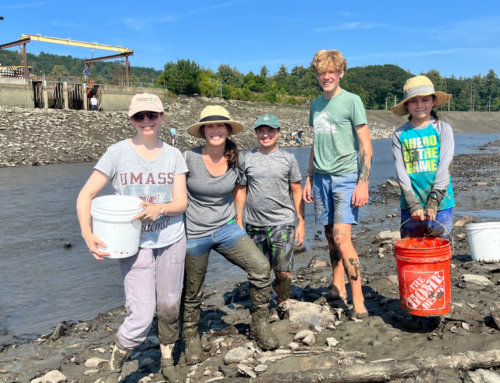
(324, 59)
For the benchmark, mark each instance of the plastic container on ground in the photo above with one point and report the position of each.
(424, 275)
(484, 241)
(112, 222)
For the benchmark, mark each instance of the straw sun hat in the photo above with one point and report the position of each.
(214, 114)
(419, 86)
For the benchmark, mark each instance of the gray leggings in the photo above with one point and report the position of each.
(153, 279)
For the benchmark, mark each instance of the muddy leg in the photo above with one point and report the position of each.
(118, 359)
(342, 238)
(338, 288)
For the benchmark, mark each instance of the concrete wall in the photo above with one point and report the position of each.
(14, 92)
(116, 98)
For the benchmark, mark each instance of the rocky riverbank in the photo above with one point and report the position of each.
(41, 137)
(319, 342)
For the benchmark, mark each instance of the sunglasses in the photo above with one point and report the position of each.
(152, 116)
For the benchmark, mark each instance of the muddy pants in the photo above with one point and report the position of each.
(153, 279)
(233, 243)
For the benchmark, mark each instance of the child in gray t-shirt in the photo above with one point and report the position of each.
(269, 214)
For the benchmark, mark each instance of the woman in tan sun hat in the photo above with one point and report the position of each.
(423, 150)
(216, 194)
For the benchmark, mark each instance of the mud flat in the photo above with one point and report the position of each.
(34, 137)
(339, 349)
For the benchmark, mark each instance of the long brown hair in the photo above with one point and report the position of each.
(231, 151)
(433, 112)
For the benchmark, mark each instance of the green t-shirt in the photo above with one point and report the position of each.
(336, 144)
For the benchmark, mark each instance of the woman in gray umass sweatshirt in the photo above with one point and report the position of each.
(216, 171)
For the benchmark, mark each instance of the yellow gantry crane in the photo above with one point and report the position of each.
(26, 38)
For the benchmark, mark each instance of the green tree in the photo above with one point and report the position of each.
(264, 72)
(182, 77)
(438, 81)
(229, 75)
(59, 71)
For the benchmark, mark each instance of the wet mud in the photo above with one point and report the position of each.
(225, 315)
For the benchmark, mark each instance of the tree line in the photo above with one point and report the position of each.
(379, 86)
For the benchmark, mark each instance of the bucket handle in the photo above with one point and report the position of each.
(451, 238)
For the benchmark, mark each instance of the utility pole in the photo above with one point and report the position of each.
(449, 105)
(386, 103)
(472, 95)
(489, 104)
(221, 89)
(395, 100)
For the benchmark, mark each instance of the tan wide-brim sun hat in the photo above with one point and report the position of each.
(419, 86)
(214, 114)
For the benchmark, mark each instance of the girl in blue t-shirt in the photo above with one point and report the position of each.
(423, 151)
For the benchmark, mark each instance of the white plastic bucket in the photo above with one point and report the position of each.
(112, 222)
(484, 241)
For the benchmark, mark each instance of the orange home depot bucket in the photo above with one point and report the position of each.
(424, 275)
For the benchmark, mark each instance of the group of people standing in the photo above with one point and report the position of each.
(213, 197)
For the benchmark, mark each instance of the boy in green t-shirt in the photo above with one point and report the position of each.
(336, 177)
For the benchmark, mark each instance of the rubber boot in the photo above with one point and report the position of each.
(169, 371)
(192, 343)
(260, 329)
(118, 359)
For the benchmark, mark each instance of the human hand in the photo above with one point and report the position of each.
(151, 213)
(92, 241)
(418, 215)
(431, 209)
(306, 194)
(360, 195)
(300, 233)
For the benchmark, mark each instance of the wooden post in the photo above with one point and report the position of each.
(127, 69)
(25, 61)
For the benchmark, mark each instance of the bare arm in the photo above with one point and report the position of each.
(360, 195)
(239, 197)
(177, 206)
(94, 185)
(308, 186)
(298, 202)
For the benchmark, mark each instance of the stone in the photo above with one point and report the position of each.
(375, 343)
(394, 279)
(100, 349)
(58, 332)
(389, 235)
(316, 262)
(237, 354)
(482, 376)
(463, 221)
(90, 372)
(95, 362)
(481, 184)
(385, 301)
(302, 334)
(146, 379)
(193, 368)
(207, 373)
(392, 184)
(476, 281)
(51, 377)
(152, 341)
(332, 342)
(293, 346)
(309, 340)
(465, 326)
(308, 313)
(368, 296)
(261, 368)
(245, 370)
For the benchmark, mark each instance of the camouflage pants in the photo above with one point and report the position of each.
(276, 243)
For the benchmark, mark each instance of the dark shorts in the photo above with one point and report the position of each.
(276, 243)
(418, 229)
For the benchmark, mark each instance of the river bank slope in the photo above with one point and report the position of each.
(33, 137)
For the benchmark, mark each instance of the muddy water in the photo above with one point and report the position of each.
(42, 283)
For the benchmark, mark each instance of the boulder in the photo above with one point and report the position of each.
(476, 281)
(245, 370)
(332, 342)
(316, 262)
(236, 355)
(482, 376)
(386, 235)
(308, 313)
(95, 362)
(51, 377)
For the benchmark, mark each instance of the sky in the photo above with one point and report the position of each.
(454, 37)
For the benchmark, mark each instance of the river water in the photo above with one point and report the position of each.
(42, 284)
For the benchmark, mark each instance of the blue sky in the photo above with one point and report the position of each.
(460, 38)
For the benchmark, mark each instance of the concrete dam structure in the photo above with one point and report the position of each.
(49, 94)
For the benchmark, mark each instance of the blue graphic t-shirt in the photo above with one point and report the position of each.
(425, 154)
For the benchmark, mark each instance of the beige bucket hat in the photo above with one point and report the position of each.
(419, 86)
(214, 114)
